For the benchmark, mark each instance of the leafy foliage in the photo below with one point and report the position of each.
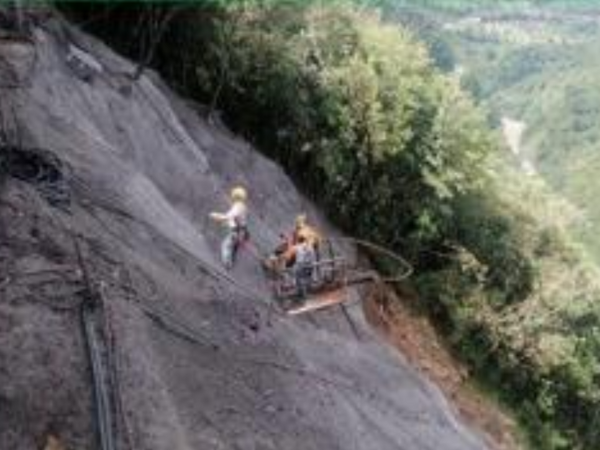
(349, 103)
(530, 320)
(544, 75)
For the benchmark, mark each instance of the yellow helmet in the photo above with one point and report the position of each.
(301, 220)
(239, 194)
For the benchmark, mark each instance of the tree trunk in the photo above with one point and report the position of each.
(157, 30)
(18, 10)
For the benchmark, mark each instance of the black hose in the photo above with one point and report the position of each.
(100, 384)
(408, 269)
(102, 397)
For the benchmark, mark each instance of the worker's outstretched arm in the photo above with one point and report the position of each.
(219, 217)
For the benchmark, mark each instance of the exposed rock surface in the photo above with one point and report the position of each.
(138, 173)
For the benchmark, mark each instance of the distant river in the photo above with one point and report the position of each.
(513, 133)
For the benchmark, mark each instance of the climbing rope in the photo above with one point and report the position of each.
(183, 330)
(246, 292)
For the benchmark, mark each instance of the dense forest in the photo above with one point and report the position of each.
(537, 67)
(462, 6)
(545, 77)
(371, 120)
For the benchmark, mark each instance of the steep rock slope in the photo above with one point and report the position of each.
(128, 173)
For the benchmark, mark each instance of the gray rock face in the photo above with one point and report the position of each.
(143, 171)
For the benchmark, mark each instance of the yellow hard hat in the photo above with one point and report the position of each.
(301, 220)
(239, 194)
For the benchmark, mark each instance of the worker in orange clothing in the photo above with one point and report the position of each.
(308, 232)
(284, 255)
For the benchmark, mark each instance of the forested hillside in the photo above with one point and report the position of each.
(538, 67)
(462, 6)
(397, 152)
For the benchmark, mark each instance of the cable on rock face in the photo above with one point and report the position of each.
(91, 309)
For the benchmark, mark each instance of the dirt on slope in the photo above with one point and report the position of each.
(126, 173)
(399, 321)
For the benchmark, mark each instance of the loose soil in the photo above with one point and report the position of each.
(413, 334)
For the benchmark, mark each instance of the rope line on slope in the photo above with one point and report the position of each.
(89, 311)
(174, 326)
(245, 291)
(183, 330)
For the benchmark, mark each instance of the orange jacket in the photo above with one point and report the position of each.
(311, 235)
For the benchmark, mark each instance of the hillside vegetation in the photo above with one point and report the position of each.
(539, 67)
(397, 153)
(462, 6)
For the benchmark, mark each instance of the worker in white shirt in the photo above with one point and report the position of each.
(236, 221)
